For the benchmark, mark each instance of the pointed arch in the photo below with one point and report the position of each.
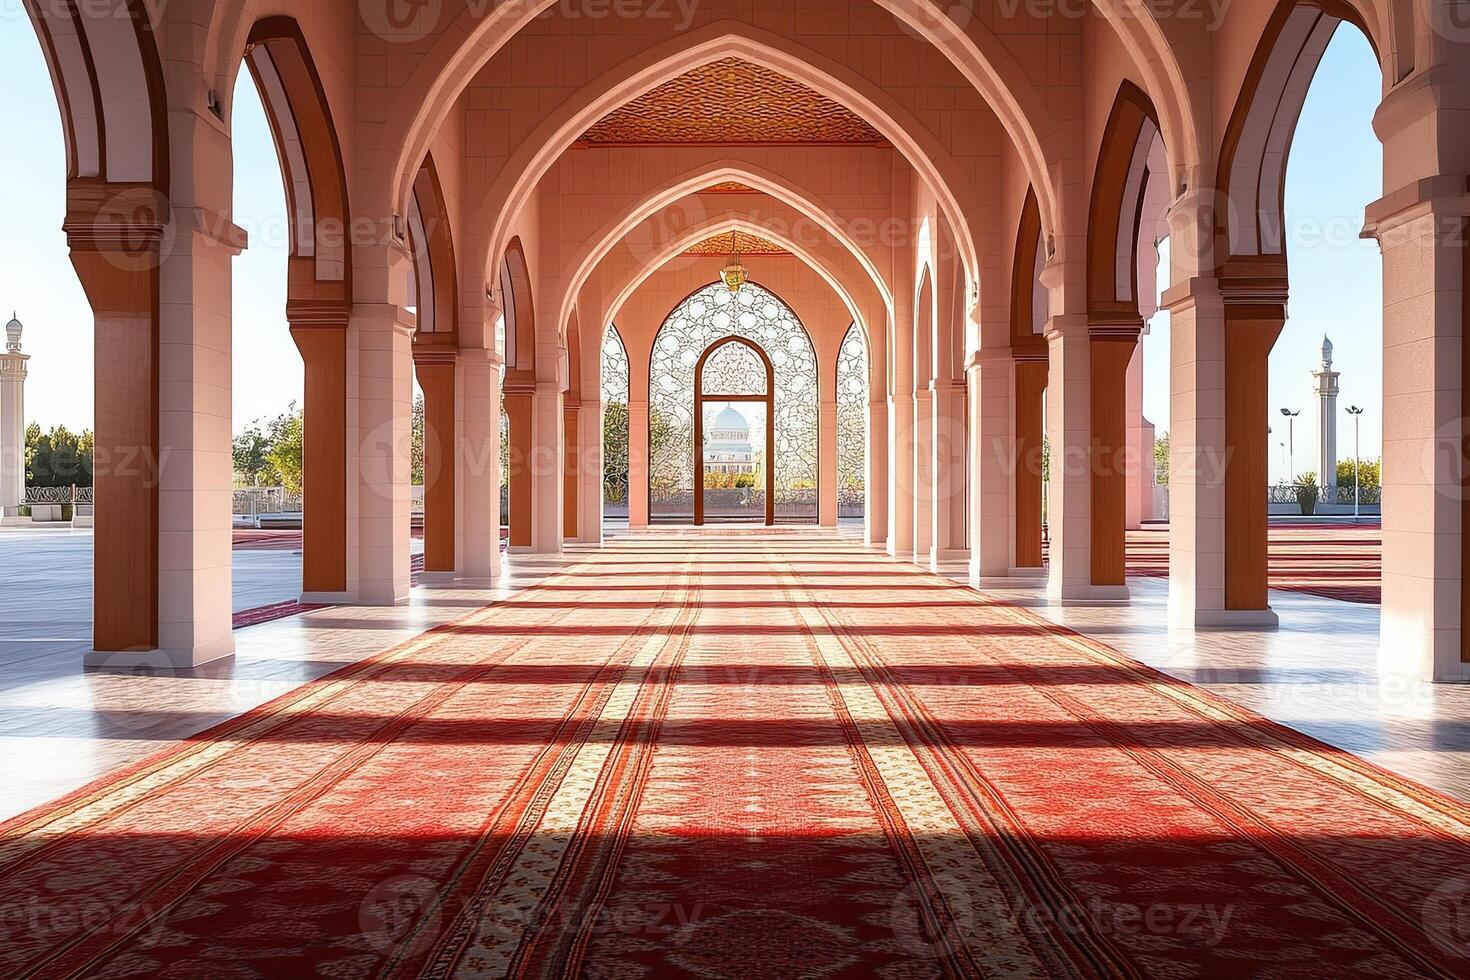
(105, 69)
(1257, 142)
(1119, 184)
(519, 311)
(311, 165)
(436, 276)
(530, 162)
(474, 37)
(707, 319)
(806, 203)
(926, 318)
(1028, 296)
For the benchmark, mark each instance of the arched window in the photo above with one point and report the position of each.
(852, 424)
(705, 317)
(614, 424)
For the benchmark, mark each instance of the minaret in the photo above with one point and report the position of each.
(12, 421)
(1326, 418)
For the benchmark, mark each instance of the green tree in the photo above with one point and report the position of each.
(1161, 460)
(285, 454)
(1347, 474)
(59, 458)
(251, 454)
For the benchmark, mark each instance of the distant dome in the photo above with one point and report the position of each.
(729, 418)
(12, 334)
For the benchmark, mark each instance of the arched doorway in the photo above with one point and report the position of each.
(734, 479)
(701, 322)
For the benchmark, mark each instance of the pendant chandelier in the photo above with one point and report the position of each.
(734, 274)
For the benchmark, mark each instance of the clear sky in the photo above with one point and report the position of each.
(36, 277)
(1336, 279)
(1335, 171)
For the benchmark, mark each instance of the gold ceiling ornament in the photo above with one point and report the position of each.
(732, 101)
(734, 274)
(739, 243)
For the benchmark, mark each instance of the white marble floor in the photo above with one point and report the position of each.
(1321, 673)
(61, 727)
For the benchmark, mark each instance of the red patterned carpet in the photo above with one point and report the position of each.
(752, 756)
(1335, 561)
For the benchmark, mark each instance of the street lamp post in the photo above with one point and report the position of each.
(1290, 443)
(1356, 413)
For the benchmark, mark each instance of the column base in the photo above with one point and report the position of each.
(1091, 595)
(1264, 620)
(163, 661)
(345, 599)
(939, 556)
(1015, 578)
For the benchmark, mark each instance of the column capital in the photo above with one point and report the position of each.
(315, 313)
(1066, 325)
(431, 354)
(1443, 196)
(1191, 293)
(485, 356)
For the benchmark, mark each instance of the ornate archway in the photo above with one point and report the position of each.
(738, 371)
(705, 319)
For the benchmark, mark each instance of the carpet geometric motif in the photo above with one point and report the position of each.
(742, 755)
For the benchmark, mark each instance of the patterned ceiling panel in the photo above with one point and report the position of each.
(730, 187)
(736, 243)
(731, 101)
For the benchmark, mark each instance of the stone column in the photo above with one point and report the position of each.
(320, 333)
(992, 450)
(1030, 383)
(827, 463)
(477, 390)
(901, 475)
(115, 237)
(518, 411)
(1070, 433)
(437, 376)
(379, 411)
(1426, 494)
(589, 472)
(12, 421)
(875, 481)
(638, 459)
(571, 467)
(1255, 312)
(1112, 347)
(546, 465)
(947, 473)
(923, 479)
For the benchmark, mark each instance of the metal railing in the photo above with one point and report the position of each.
(1291, 493)
(252, 501)
(44, 496)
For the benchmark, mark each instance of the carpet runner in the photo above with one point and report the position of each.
(754, 756)
(1334, 561)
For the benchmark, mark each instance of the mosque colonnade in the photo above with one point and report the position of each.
(476, 193)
